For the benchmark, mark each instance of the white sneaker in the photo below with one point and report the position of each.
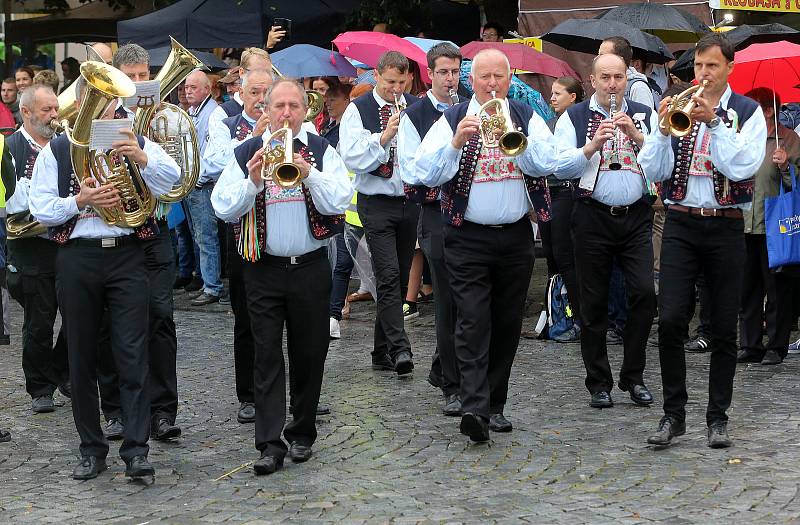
(335, 332)
(794, 348)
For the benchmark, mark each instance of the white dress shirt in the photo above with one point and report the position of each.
(408, 140)
(50, 209)
(491, 201)
(362, 152)
(613, 188)
(288, 231)
(736, 154)
(219, 151)
(18, 202)
(218, 115)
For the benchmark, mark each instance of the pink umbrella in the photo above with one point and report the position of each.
(524, 57)
(368, 46)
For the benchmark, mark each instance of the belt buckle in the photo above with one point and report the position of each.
(293, 260)
(108, 242)
(618, 210)
(713, 212)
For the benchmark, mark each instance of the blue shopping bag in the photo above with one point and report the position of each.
(782, 222)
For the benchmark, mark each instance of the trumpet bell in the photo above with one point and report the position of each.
(512, 143)
(286, 175)
(678, 121)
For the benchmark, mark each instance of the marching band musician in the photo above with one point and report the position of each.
(367, 140)
(99, 266)
(444, 68)
(283, 237)
(488, 239)
(612, 218)
(709, 180)
(134, 61)
(31, 260)
(225, 135)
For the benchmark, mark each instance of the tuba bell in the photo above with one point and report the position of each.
(22, 225)
(511, 142)
(104, 85)
(277, 157)
(678, 120)
(170, 126)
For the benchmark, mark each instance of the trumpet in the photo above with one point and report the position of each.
(678, 121)
(512, 142)
(277, 159)
(613, 163)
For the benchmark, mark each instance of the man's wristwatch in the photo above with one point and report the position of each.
(713, 123)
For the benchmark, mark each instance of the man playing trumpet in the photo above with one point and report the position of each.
(488, 240)
(283, 236)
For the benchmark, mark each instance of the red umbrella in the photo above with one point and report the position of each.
(774, 65)
(368, 46)
(524, 57)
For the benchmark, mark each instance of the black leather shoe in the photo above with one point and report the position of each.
(66, 389)
(42, 404)
(452, 405)
(195, 284)
(771, 357)
(639, 393)
(403, 364)
(382, 362)
(164, 430)
(499, 423)
(434, 380)
(299, 453)
(668, 428)
(718, 435)
(114, 429)
(139, 467)
(246, 413)
(749, 356)
(4, 436)
(323, 410)
(475, 427)
(601, 400)
(204, 299)
(89, 467)
(180, 282)
(267, 465)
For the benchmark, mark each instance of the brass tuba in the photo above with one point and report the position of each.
(277, 158)
(678, 120)
(22, 225)
(170, 126)
(511, 142)
(104, 85)
(314, 99)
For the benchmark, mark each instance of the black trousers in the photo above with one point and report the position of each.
(163, 342)
(430, 234)
(777, 286)
(490, 270)
(561, 241)
(599, 237)
(390, 224)
(88, 280)
(298, 296)
(715, 248)
(33, 285)
(243, 353)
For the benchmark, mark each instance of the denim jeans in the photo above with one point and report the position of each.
(341, 277)
(204, 229)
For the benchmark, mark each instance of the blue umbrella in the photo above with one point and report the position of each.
(305, 60)
(425, 44)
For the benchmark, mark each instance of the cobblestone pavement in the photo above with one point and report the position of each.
(387, 455)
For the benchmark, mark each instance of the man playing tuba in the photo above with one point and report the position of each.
(101, 266)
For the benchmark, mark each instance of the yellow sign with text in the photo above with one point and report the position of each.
(764, 6)
(531, 41)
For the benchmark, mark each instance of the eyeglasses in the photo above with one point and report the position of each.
(447, 72)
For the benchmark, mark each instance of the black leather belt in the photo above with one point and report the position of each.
(319, 253)
(616, 211)
(105, 242)
(729, 213)
(496, 226)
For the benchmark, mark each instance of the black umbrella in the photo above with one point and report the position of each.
(587, 35)
(741, 37)
(668, 23)
(159, 55)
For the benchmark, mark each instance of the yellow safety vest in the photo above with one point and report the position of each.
(2, 186)
(351, 214)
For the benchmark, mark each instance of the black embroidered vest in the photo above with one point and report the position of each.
(726, 191)
(68, 185)
(586, 121)
(231, 107)
(321, 226)
(423, 116)
(238, 126)
(372, 121)
(24, 154)
(455, 192)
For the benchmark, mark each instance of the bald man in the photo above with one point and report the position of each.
(488, 240)
(612, 219)
(104, 50)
